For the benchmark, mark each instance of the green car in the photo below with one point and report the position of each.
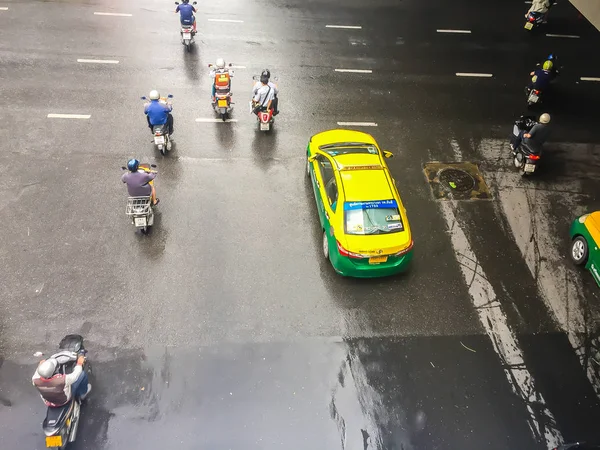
(585, 235)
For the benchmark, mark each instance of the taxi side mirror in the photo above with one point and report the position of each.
(388, 154)
(312, 158)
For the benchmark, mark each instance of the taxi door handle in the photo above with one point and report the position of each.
(318, 184)
(326, 215)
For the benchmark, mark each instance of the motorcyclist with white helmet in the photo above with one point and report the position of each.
(158, 112)
(536, 136)
(217, 68)
(57, 389)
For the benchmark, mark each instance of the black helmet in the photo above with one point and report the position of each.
(264, 79)
(185, 1)
(266, 73)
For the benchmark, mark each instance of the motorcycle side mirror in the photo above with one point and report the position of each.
(177, 3)
(210, 65)
(312, 158)
(170, 96)
(123, 168)
(153, 166)
(255, 77)
(144, 98)
(388, 154)
(230, 64)
(194, 3)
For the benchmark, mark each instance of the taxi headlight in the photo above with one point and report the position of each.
(582, 218)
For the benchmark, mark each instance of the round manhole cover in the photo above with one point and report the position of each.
(456, 180)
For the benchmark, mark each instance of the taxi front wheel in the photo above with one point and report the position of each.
(325, 245)
(579, 250)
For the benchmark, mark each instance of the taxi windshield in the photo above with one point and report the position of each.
(347, 148)
(373, 217)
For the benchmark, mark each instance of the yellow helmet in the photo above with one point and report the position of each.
(548, 65)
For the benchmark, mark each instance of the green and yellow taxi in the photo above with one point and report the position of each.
(585, 236)
(365, 228)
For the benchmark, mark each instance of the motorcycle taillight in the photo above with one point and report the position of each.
(531, 19)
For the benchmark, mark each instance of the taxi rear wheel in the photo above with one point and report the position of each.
(579, 250)
(325, 245)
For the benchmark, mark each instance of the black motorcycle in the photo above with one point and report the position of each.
(527, 155)
(61, 423)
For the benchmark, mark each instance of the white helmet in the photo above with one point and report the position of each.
(220, 63)
(47, 368)
(154, 95)
(545, 118)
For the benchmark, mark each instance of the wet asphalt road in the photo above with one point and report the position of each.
(225, 328)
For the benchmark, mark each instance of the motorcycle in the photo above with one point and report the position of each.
(534, 94)
(527, 155)
(266, 119)
(223, 104)
(534, 20)
(162, 138)
(139, 209)
(187, 33)
(61, 423)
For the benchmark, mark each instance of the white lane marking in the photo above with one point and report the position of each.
(357, 124)
(455, 31)
(494, 321)
(238, 67)
(345, 27)
(98, 61)
(526, 209)
(3, 8)
(571, 36)
(215, 120)
(354, 70)
(226, 20)
(112, 14)
(590, 79)
(473, 74)
(69, 116)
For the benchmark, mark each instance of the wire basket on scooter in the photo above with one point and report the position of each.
(138, 206)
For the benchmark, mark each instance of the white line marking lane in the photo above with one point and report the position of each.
(215, 120)
(98, 61)
(357, 124)
(69, 116)
(345, 27)
(590, 79)
(570, 36)
(3, 8)
(238, 67)
(494, 321)
(112, 14)
(473, 74)
(455, 31)
(226, 20)
(354, 70)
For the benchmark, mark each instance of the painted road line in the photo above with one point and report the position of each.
(238, 67)
(69, 116)
(357, 124)
(489, 308)
(354, 70)
(590, 79)
(226, 20)
(570, 36)
(112, 14)
(98, 61)
(215, 120)
(3, 8)
(473, 74)
(455, 31)
(345, 27)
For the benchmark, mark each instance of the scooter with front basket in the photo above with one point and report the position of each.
(139, 209)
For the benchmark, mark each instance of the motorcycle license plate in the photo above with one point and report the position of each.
(187, 35)
(533, 98)
(222, 104)
(140, 221)
(528, 26)
(159, 140)
(265, 126)
(377, 259)
(54, 441)
(529, 168)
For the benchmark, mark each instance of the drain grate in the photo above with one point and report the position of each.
(456, 181)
